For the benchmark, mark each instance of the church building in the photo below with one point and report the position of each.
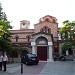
(42, 40)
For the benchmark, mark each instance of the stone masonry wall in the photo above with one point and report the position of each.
(53, 26)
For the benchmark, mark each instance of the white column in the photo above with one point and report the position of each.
(33, 47)
(33, 50)
(50, 52)
(59, 37)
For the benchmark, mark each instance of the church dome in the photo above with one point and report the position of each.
(48, 19)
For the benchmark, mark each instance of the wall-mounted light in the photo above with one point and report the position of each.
(55, 46)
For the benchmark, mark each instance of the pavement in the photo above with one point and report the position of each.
(58, 68)
(43, 68)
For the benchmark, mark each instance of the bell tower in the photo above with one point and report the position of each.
(24, 24)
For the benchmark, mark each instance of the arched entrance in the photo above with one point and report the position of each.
(24, 52)
(42, 44)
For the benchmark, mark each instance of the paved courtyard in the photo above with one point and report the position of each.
(43, 68)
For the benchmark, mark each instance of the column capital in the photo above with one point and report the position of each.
(33, 43)
(50, 43)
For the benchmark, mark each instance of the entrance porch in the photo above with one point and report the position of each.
(42, 47)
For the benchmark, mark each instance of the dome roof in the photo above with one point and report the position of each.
(48, 19)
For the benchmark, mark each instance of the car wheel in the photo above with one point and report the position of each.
(26, 63)
(36, 63)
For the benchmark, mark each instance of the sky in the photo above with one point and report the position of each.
(33, 10)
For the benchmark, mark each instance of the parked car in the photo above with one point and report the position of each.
(29, 59)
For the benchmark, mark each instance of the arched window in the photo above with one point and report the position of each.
(49, 31)
(28, 37)
(45, 29)
(41, 30)
(16, 38)
(47, 19)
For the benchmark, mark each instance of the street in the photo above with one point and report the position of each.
(43, 68)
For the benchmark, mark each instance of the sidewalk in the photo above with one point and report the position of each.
(59, 68)
(43, 68)
(11, 68)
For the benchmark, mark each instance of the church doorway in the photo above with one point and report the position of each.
(42, 46)
(42, 52)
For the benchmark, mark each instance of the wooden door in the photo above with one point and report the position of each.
(42, 53)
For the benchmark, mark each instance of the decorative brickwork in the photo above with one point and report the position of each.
(46, 28)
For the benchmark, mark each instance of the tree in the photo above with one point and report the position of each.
(4, 35)
(5, 43)
(68, 34)
(3, 22)
(2, 14)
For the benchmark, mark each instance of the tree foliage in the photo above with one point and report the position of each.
(2, 14)
(4, 28)
(5, 43)
(4, 35)
(68, 33)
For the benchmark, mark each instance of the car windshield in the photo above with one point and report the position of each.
(31, 55)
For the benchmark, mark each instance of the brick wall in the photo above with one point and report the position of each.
(53, 26)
